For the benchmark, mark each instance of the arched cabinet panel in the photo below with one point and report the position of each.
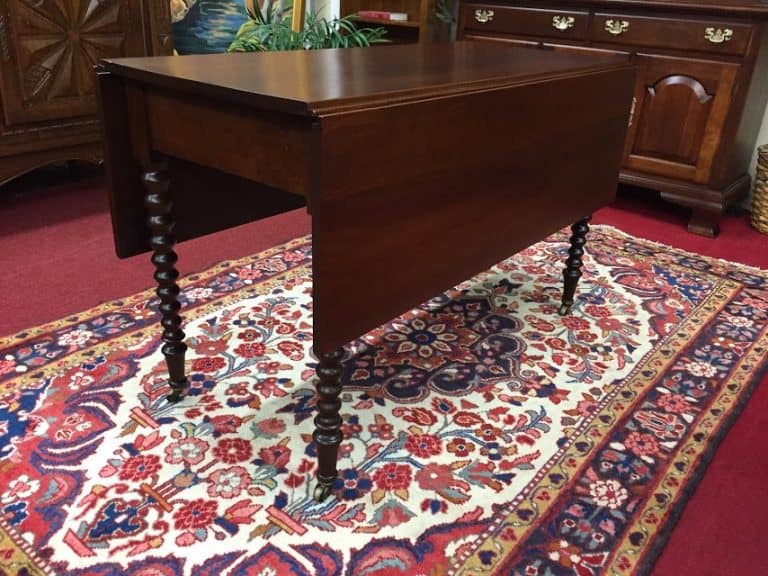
(678, 116)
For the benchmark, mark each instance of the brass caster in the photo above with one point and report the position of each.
(322, 491)
(565, 309)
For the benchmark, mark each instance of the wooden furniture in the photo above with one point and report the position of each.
(422, 24)
(404, 204)
(701, 89)
(47, 54)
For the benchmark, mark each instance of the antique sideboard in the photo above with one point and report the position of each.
(700, 92)
(47, 54)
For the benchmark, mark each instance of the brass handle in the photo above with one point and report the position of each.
(632, 111)
(718, 35)
(484, 16)
(616, 27)
(562, 22)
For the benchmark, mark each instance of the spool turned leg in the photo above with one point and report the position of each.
(573, 264)
(158, 203)
(327, 432)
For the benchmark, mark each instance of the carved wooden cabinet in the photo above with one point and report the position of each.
(47, 52)
(701, 88)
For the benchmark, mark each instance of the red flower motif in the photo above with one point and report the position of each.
(508, 534)
(392, 514)
(460, 447)
(586, 405)
(139, 467)
(233, 450)
(393, 476)
(276, 455)
(556, 343)
(268, 322)
(416, 415)
(578, 350)
(188, 450)
(423, 445)
(209, 364)
(7, 366)
(434, 506)
(271, 426)
(293, 350)
(196, 514)
(350, 429)
(226, 423)
(251, 350)
(467, 419)
(306, 466)
(294, 480)
(228, 483)
(642, 444)
(381, 428)
(269, 387)
(435, 477)
(488, 432)
(270, 368)
(586, 336)
(285, 328)
(249, 273)
(597, 311)
(249, 335)
(675, 403)
(575, 323)
(608, 324)
(443, 406)
(206, 347)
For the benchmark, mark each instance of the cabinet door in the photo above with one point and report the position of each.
(678, 112)
(48, 49)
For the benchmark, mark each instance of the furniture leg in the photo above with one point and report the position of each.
(327, 432)
(158, 203)
(573, 264)
(704, 222)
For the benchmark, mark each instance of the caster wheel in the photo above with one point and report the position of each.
(174, 397)
(565, 309)
(322, 491)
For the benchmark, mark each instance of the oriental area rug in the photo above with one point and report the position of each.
(483, 434)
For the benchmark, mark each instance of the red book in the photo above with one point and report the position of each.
(383, 15)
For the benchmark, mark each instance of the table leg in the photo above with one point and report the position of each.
(573, 264)
(158, 202)
(327, 432)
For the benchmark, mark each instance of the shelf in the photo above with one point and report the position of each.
(384, 22)
(420, 26)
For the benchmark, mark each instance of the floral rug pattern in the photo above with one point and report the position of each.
(483, 433)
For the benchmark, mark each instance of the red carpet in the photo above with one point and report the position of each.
(57, 258)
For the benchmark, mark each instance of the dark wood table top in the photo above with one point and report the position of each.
(319, 82)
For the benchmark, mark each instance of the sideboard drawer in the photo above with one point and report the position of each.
(570, 24)
(700, 35)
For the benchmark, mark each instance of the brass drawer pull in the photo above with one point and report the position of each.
(616, 27)
(483, 16)
(562, 22)
(718, 35)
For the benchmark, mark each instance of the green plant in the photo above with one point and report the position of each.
(269, 28)
(446, 10)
